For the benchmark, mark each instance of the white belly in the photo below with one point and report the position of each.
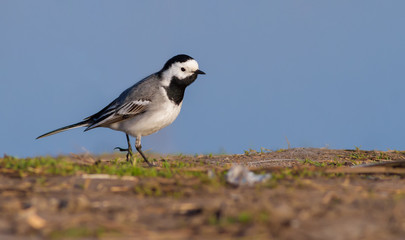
(149, 122)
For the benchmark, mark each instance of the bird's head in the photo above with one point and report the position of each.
(182, 69)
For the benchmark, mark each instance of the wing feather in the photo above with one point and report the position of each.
(112, 114)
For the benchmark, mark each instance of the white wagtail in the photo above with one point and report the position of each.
(148, 106)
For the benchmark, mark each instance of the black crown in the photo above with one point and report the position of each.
(178, 58)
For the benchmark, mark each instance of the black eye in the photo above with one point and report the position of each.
(183, 69)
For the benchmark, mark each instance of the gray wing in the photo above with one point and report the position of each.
(131, 102)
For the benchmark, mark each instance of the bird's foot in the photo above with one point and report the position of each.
(130, 158)
(121, 149)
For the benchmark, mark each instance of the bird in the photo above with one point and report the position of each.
(146, 107)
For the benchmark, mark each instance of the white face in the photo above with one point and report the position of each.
(181, 70)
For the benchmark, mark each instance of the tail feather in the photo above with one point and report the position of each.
(62, 129)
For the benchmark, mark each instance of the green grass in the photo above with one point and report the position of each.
(383, 156)
(182, 172)
(185, 177)
(313, 163)
(358, 156)
(242, 217)
(60, 166)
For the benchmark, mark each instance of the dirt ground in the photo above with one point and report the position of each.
(313, 194)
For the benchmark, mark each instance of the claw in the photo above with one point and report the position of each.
(121, 149)
(129, 153)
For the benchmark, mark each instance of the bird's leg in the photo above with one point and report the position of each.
(130, 157)
(139, 148)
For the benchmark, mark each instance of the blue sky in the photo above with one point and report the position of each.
(318, 73)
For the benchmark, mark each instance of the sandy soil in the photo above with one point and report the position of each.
(313, 194)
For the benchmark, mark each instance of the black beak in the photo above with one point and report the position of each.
(199, 72)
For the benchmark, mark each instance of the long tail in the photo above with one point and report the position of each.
(62, 129)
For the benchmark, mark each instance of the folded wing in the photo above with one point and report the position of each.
(115, 113)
